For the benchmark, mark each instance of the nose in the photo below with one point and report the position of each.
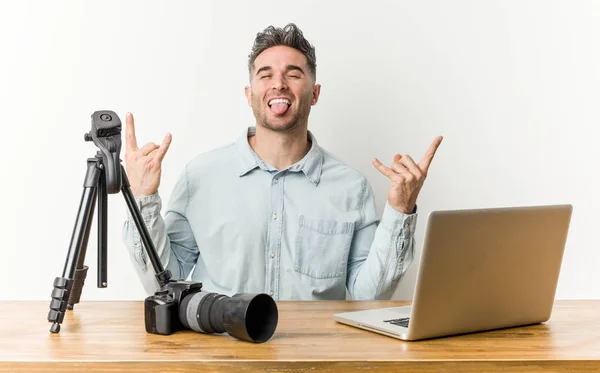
(279, 83)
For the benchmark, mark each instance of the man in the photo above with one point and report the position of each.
(274, 212)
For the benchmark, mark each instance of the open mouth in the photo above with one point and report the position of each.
(279, 105)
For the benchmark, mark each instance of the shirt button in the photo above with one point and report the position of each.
(272, 255)
(271, 293)
(274, 216)
(275, 181)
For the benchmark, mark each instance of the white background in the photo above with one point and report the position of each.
(514, 86)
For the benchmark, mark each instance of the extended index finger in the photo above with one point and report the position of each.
(425, 162)
(130, 139)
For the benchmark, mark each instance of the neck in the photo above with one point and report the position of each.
(280, 149)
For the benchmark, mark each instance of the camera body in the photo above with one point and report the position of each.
(182, 305)
(161, 310)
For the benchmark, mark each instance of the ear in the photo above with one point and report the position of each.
(316, 91)
(248, 93)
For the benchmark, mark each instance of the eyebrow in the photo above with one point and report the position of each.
(289, 68)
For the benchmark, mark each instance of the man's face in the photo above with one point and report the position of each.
(282, 89)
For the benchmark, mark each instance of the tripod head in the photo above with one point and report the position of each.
(106, 135)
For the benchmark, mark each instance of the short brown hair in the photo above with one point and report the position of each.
(290, 36)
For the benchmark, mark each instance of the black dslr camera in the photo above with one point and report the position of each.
(177, 304)
(183, 305)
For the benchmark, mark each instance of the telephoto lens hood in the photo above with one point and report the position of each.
(249, 317)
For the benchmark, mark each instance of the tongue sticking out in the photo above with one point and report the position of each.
(279, 108)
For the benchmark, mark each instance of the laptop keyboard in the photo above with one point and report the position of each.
(400, 322)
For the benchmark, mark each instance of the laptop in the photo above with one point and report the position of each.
(480, 269)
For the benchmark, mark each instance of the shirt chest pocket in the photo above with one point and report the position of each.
(322, 247)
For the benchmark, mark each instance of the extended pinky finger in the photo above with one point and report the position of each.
(383, 169)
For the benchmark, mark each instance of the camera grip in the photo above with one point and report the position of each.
(158, 315)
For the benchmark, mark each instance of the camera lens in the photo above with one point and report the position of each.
(249, 317)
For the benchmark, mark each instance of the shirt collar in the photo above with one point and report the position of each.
(311, 165)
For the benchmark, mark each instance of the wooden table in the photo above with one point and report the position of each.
(110, 336)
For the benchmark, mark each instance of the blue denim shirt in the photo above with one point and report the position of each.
(239, 225)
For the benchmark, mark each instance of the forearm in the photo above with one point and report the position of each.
(389, 255)
(150, 210)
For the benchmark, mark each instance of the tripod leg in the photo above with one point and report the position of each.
(81, 270)
(102, 234)
(64, 284)
(162, 275)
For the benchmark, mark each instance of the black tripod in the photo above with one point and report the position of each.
(105, 175)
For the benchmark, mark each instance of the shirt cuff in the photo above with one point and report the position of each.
(149, 206)
(397, 222)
